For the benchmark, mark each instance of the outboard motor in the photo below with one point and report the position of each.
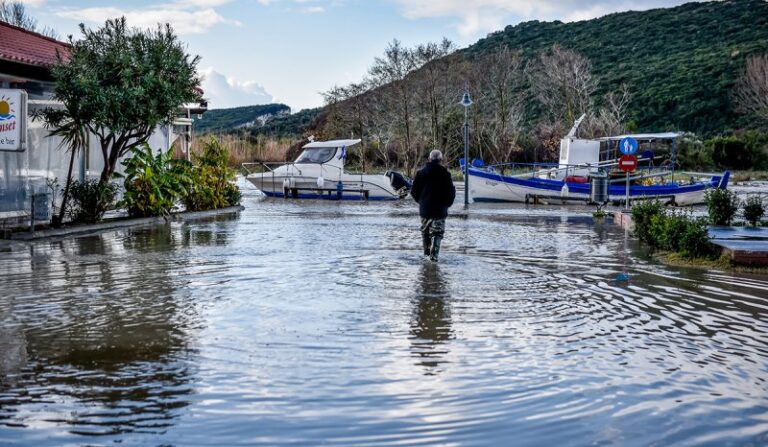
(399, 183)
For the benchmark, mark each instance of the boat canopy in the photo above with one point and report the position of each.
(645, 136)
(332, 143)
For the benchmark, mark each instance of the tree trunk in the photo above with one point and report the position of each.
(111, 161)
(65, 197)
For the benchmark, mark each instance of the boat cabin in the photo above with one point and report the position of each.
(330, 153)
(579, 157)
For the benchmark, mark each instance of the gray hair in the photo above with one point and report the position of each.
(436, 155)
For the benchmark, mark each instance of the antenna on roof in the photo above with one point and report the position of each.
(311, 138)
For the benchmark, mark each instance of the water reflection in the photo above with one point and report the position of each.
(309, 323)
(207, 236)
(431, 326)
(99, 342)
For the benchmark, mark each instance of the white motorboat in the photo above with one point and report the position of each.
(318, 173)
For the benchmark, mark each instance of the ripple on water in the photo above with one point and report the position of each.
(301, 323)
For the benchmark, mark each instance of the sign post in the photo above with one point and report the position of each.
(626, 200)
(628, 162)
(13, 120)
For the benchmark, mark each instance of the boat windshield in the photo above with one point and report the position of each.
(316, 155)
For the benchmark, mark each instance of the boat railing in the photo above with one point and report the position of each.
(516, 165)
(552, 169)
(363, 183)
(699, 174)
(267, 166)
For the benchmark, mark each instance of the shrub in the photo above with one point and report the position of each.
(673, 228)
(754, 210)
(673, 232)
(694, 241)
(212, 178)
(656, 228)
(642, 215)
(745, 151)
(90, 200)
(692, 153)
(757, 142)
(232, 194)
(153, 183)
(722, 206)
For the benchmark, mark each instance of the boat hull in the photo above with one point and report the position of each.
(353, 187)
(488, 186)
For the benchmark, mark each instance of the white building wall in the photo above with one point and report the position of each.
(23, 174)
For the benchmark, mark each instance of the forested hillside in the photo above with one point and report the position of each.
(673, 69)
(680, 63)
(288, 125)
(219, 120)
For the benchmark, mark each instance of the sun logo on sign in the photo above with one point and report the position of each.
(6, 110)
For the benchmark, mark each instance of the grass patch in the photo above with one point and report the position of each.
(722, 262)
(749, 176)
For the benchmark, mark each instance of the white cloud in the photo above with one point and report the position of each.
(224, 92)
(313, 10)
(478, 16)
(203, 3)
(305, 9)
(33, 3)
(185, 16)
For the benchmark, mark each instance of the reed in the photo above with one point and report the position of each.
(245, 149)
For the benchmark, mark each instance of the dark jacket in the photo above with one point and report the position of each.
(434, 191)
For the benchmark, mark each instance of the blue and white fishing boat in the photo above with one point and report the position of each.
(581, 160)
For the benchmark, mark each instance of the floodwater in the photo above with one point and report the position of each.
(306, 323)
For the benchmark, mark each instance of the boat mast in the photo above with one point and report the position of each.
(575, 128)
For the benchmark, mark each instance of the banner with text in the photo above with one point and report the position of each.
(13, 116)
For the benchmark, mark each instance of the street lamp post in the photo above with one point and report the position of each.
(466, 101)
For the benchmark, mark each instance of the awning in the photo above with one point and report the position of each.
(645, 136)
(332, 143)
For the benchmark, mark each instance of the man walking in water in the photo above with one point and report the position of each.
(434, 191)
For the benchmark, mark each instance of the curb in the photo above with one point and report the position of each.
(123, 223)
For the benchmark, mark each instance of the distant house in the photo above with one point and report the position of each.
(25, 62)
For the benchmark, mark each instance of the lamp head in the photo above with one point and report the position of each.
(466, 101)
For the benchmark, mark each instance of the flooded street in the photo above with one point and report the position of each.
(306, 323)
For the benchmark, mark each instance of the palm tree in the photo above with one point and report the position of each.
(74, 137)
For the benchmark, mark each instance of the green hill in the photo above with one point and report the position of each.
(223, 120)
(680, 63)
(292, 125)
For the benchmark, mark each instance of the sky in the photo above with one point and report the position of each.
(289, 51)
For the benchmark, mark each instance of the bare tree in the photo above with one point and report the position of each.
(563, 83)
(504, 83)
(15, 14)
(381, 129)
(751, 91)
(473, 76)
(611, 117)
(392, 71)
(357, 114)
(334, 121)
(435, 81)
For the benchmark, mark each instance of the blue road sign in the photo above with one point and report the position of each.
(628, 146)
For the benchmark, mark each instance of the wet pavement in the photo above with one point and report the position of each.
(306, 323)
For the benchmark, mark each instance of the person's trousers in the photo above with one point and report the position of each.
(432, 231)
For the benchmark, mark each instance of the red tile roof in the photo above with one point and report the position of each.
(26, 47)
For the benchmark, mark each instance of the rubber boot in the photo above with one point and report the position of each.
(435, 248)
(427, 243)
